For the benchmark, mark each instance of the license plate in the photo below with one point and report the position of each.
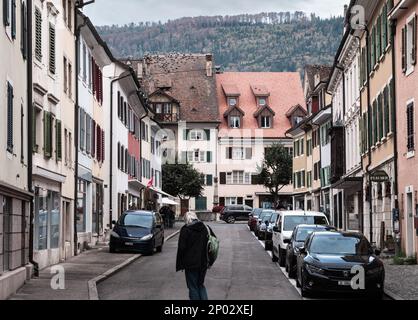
(129, 244)
(344, 283)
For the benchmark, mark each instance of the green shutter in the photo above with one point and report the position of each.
(375, 123)
(209, 157)
(10, 97)
(6, 17)
(13, 26)
(387, 110)
(51, 48)
(47, 135)
(207, 133)
(38, 34)
(186, 134)
(380, 115)
(183, 157)
(392, 105)
(209, 180)
(34, 146)
(385, 28)
(58, 140)
(379, 38)
(201, 204)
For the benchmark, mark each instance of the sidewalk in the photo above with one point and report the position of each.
(78, 271)
(401, 281)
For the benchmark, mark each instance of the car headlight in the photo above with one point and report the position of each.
(114, 235)
(147, 237)
(313, 269)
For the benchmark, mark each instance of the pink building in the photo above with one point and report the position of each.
(404, 14)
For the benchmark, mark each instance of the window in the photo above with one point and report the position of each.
(48, 134)
(309, 179)
(231, 201)
(88, 134)
(82, 131)
(69, 15)
(10, 97)
(52, 48)
(84, 62)
(265, 122)
(262, 102)
(58, 140)
(410, 127)
(81, 206)
(65, 65)
(196, 135)
(302, 146)
(201, 204)
(409, 45)
(232, 102)
(196, 156)
(38, 34)
(235, 122)
(168, 108)
(309, 147)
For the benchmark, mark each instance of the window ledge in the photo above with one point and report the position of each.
(410, 70)
(390, 134)
(384, 139)
(373, 148)
(410, 154)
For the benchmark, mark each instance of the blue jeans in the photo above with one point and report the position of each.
(195, 282)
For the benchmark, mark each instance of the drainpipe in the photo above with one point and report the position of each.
(395, 132)
(30, 137)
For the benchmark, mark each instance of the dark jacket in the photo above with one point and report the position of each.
(192, 247)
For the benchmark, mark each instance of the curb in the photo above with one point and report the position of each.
(392, 295)
(92, 284)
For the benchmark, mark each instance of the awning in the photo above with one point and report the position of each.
(349, 183)
(169, 201)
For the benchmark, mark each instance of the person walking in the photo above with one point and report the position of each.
(192, 255)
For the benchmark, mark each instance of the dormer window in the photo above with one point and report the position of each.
(265, 122)
(232, 102)
(235, 122)
(262, 101)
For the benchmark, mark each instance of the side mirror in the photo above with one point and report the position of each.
(276, 229)
(113, 222)
(286, 241)
(267, 223)
(302, 250)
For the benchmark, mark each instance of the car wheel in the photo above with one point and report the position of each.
(303, 290)
(292, 271)
(112, 249)
(273, 257)
(282, 258)
(230, 220)
(160, 248)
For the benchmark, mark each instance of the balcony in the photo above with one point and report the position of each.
(167, 117)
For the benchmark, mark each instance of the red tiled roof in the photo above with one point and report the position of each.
(230, 90)
(260, 90)
(285, 90)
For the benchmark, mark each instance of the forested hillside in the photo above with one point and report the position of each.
(263, 42)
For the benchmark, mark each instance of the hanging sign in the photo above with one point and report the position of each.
(379, 176)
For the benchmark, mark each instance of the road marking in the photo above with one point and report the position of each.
(283, 270)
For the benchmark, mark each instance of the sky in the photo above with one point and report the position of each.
(108, 12)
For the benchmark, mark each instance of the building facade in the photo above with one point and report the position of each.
(404, 16)
(257, 110)
(15, 191)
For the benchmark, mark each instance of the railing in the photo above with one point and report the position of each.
(167, 117)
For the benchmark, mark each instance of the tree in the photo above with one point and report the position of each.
(276, 170)
(182, 180)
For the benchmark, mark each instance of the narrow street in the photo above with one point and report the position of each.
(243, 271)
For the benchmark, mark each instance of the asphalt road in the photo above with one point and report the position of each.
(243, 271)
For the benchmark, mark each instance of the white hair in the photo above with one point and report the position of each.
(190, 217)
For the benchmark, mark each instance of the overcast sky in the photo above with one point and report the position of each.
(107, 12)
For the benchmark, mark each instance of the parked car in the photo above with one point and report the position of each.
(253, 218)
(286, 223)
(264, 222)
(325, 262)
(269, 231)
(233, 213)
(299, 236)
(139, 231)
(261, 219)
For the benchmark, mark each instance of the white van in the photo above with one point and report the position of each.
(286, 223)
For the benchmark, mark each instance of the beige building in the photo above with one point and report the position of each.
(15, 195)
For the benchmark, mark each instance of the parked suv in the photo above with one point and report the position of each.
(233, 213)
(286, 223)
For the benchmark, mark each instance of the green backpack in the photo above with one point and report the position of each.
(212, 247)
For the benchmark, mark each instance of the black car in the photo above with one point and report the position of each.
(332, 261)
(233, 213)
(299, 236)
(139, 231)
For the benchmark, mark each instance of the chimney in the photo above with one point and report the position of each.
(218, 69)
(209, 65)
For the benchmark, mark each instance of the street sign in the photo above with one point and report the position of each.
(379, 176)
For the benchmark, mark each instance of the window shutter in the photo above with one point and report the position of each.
(240, 200)
(209, 180)
(404, 50)
(414, 41)
(222, 177)
(184, 158)
(47, 135)
(384, 28)
(386, 110)
(58, 140)
(222, 201)
(392, 105)
(186, 134)
(229, 153)
(100, 85)
(378, 38)
(410, 127)
(380, 116)
(38, 34)
(119, 107)
(254, 179)
(6, 17)
(209, 157)
(10, 97)
(24, 30)
(52, 49)
(93, 139)
(207, 133)
(13, 27)
(102, 153)
(373, 47)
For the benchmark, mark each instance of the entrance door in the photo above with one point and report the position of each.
(409, 225)
(66, 231)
